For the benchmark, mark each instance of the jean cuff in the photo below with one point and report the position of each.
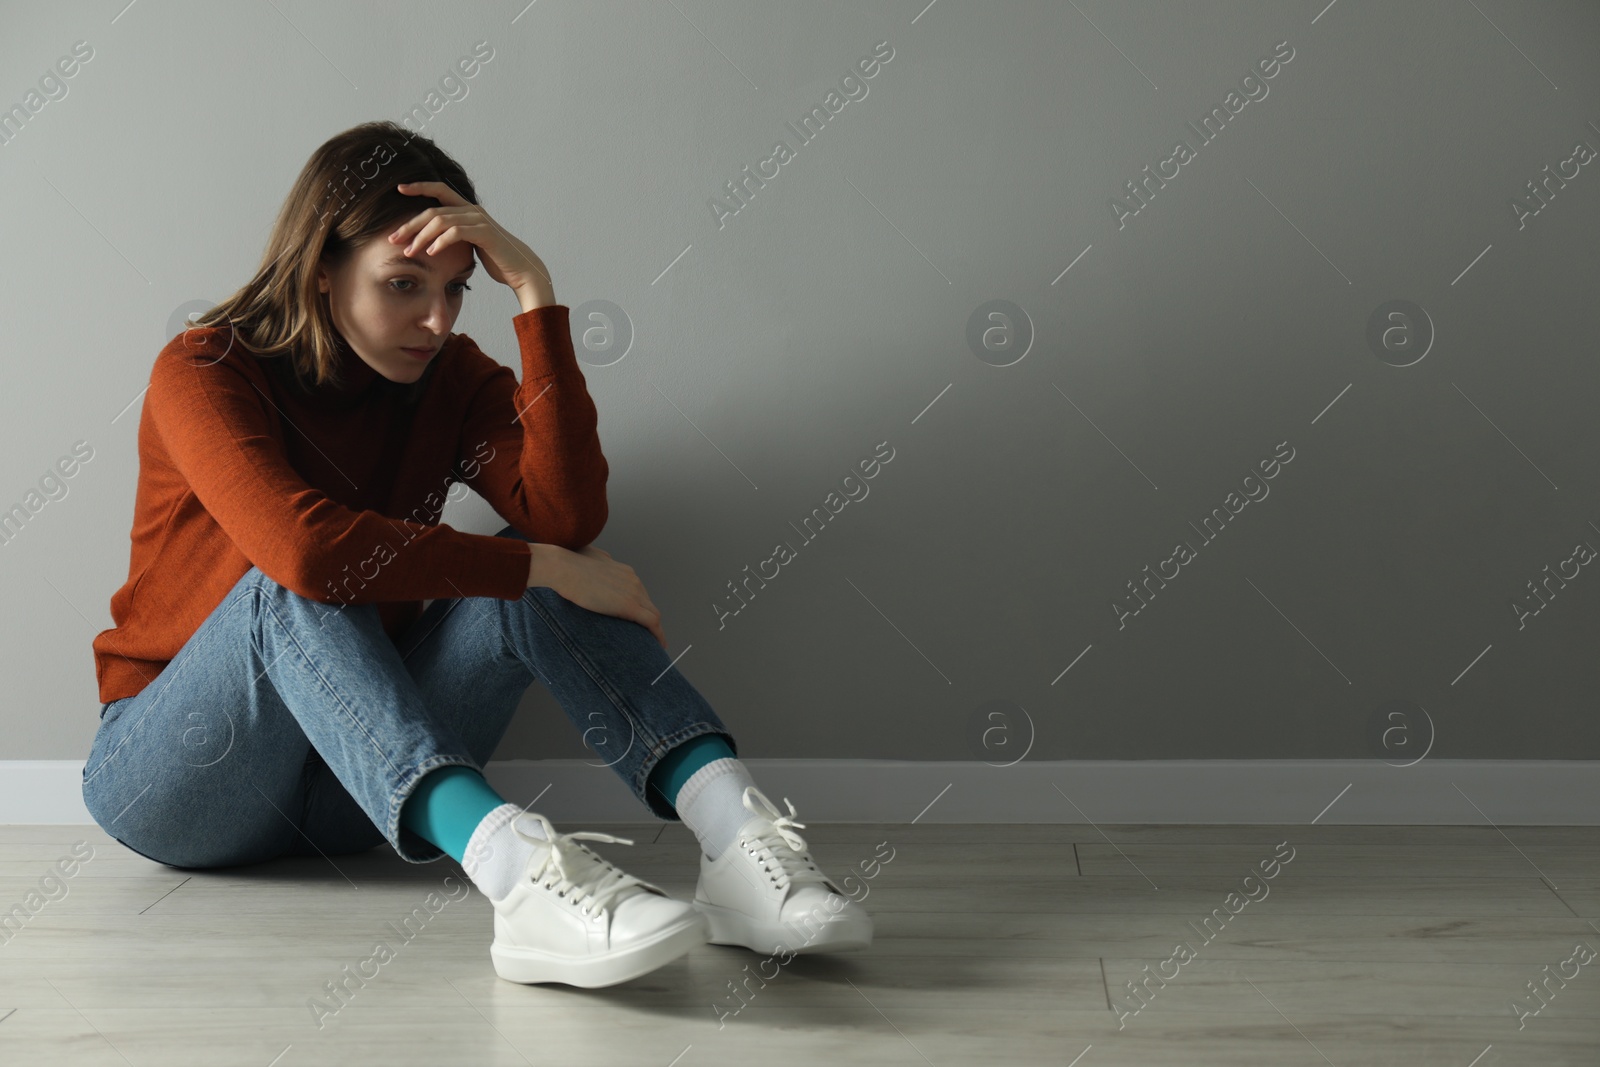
(652, 797)
(413, 847)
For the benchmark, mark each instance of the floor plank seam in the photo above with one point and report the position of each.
(165, 895)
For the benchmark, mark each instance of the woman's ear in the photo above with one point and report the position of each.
(324, 281)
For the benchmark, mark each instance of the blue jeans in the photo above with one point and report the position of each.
(285, 726)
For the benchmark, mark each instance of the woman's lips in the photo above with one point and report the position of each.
(419, 353)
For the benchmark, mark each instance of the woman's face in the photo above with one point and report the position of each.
(383, 302)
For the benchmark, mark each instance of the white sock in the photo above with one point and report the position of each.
(711, 803)
(496, 856)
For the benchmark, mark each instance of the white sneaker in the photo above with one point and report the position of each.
(574, 917)
(766, 893)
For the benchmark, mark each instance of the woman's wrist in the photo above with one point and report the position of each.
(536, 295)
(544, 563)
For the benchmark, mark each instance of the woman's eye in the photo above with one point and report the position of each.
(408, 282)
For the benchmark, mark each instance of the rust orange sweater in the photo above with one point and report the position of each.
(336, 493)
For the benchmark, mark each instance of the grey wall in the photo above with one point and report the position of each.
(1336, 616)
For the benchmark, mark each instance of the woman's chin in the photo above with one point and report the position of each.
(404, 374)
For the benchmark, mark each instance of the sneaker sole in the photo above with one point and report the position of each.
(729, 927)
(529, 966)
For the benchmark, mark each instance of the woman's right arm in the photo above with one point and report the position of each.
(214, 422)
(591, 579)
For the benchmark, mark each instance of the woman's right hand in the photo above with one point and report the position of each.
(591, 579)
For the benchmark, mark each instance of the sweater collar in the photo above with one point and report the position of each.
(357, 378)
(358, 382)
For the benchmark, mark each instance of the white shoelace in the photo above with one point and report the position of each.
(577, 873)
(781, 851)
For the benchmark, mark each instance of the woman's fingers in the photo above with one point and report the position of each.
(438, 235)
(421, 218)
(408, 229)
(505, 258)
(438, 190)
(455, 206)
(654, 626)
(651, 619)
(430, 232)
(406, 235)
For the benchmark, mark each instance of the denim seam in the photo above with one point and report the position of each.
(576, 651)
(406, 779)
(496, 611)
(405, 656)
(657, 748)
(267, 607)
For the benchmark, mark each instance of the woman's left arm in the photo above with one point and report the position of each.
(532, 449)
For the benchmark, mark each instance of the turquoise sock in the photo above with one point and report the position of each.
(679, 765)
(447, 805)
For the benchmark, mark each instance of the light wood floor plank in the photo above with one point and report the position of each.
(1375, 945)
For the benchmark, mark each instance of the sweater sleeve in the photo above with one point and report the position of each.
(219, 430)
(532, 450)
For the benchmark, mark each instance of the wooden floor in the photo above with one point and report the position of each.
(1002, 944)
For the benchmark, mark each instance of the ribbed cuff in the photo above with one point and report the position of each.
(478, 843)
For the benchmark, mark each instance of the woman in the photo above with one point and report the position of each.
(273, 685)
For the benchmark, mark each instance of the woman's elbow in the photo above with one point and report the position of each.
(584, 529)
(598, 520)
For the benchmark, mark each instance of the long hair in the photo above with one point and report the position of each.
(344, 195)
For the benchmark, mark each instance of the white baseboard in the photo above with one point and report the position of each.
(1433, 792)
